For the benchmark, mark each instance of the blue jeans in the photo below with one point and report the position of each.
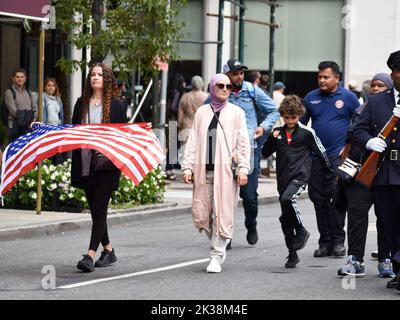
(249, 193)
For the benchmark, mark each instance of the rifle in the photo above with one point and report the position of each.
(368, 171)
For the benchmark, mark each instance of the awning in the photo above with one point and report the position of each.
(26, 9)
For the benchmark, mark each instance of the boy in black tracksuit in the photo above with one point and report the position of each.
(293, 144)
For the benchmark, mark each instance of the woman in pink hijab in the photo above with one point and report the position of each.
(217, 144)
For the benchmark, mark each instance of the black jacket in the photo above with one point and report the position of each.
(103, 178)
(377, 112)
(293, 161)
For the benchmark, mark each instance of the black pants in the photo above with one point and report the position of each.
(15, 132)
(359, 202)
(330, 219)
(290, 218)
(98, 198)
(387, 204)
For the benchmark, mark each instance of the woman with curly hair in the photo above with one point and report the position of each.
(99, 104)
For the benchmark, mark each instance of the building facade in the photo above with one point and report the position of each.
(310, 31)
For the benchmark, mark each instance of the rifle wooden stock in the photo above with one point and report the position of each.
(368, 171)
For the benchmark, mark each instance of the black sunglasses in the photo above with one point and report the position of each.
(221, 86)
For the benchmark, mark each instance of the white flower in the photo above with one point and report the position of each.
(70, 195)
(83, 198)
(52, 187)
(33, 195)
(53, 176)
(64, 178)
(30, 183)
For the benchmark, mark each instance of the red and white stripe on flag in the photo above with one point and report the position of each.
(133, 149)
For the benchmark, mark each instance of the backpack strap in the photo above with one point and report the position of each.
(252, 92)
(13, 93)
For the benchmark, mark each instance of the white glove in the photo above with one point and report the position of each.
(396, 111)
(376, 144)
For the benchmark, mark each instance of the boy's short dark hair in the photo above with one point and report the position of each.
(19, 70)
(329, 64)
(291, 105)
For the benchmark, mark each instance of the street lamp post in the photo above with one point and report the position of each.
(272, 46)
(220, 34)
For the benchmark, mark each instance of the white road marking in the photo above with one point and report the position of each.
(130, 275)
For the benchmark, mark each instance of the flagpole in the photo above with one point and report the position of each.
(40, 114)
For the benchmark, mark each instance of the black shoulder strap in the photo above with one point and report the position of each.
(13, 93)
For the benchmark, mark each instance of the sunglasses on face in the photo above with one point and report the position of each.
(221, 86)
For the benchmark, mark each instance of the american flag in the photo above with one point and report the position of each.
(133, 149)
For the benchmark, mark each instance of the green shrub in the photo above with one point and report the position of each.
(57, 191)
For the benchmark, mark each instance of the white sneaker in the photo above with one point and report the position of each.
(214, 266)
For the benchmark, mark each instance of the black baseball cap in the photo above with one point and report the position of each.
(233, 65)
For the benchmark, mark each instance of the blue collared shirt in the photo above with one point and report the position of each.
(245, 99)
(330, 114)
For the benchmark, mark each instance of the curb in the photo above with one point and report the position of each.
(115, 217)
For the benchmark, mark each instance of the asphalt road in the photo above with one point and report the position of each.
(165, 258)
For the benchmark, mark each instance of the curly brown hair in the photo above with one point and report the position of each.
(110, 90)
(291, 105)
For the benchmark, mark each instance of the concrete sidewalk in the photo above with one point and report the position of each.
(16, 224)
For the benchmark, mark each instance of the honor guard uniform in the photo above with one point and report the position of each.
(386, 185)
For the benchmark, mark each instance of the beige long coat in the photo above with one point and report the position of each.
(226, 190)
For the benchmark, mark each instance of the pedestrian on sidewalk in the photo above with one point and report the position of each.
(188, 106)
(218, 142)
(253, 101)
(20, 106)
(293, 143)
(53, 111)
(386, 185)
(359, 201)
(99, 104)
(331, 108)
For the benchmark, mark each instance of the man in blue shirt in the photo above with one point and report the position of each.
(252, 100)
(330, 108)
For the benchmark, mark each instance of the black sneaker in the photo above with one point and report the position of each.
(392, 284)
(322, 252)
(300, 239)
(339, 250)
(293, 259)
(374, 255)
(106, 259)
(252, 235)
(86, 264)
(229, 246)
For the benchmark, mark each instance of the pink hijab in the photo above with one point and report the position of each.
(217, 104)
